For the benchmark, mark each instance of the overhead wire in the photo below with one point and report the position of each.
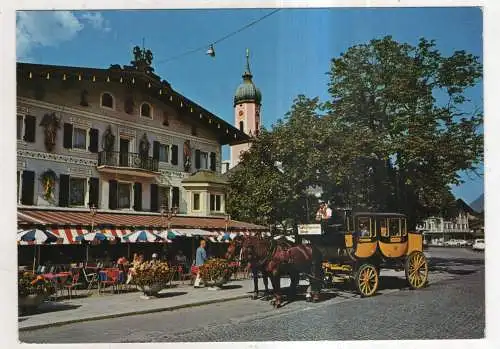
(227, 36)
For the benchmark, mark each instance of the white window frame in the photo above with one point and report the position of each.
(162, 188)
(216, 195)
(130, 195)
(207, 162)
(104, 106)
(150, 111)
(87, 138)
(199, 202)
(167, 152)
(85, 191)
(20, 188)
(23, 127)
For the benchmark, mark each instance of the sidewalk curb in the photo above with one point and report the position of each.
(138, 312)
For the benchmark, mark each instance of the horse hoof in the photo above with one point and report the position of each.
(277, 305)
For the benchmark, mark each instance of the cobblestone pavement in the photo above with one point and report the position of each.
(451, 307)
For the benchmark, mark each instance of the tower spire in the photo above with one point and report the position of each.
(247, 75)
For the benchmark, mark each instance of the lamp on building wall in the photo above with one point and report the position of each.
(93, 212)
(228, 218)
(167, 214)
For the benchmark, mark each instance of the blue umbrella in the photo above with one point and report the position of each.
(36, 237)
(93, 236)
(142, 236)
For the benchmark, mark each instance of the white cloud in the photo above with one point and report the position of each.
(50, 28)
(96, 20)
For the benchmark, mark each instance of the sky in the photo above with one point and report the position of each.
(290, 50)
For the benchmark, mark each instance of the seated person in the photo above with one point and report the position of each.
(364, 232)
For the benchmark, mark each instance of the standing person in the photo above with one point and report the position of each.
(324, 214)
(201, 257)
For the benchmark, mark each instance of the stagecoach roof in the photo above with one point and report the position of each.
(393, 214)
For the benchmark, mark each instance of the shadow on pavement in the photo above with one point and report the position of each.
(170, 294)
(47, 307)
(230, 287)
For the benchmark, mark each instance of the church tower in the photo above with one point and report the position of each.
(247, 103)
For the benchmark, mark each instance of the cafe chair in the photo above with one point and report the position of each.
(90, 278)
(74, 283)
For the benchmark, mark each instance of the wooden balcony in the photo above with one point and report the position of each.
(127, 164)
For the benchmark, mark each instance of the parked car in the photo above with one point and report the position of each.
(478, 245)
(451, 243)
(461, 243)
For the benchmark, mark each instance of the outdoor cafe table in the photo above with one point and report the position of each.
(58, 279)
(103, 276)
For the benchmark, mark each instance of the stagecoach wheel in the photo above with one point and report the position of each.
(416, 270)
(367, 280)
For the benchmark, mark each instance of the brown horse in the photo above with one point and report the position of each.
(256, 263)
(283, 258)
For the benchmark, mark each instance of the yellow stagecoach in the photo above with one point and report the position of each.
(364, 243)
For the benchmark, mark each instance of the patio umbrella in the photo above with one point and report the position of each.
(142, 236)
(226, 237)
(170, 234)
(95, 236)
(36, 237)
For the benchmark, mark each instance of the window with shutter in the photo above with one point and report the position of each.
(28, 188)
(29, 128)
(94, 192)
(137, 197)
(197, 159)
(94, 140)
(68, 136)
(113, 194)
(175, 154)
(77, 191)
(156, 150)
(213, 160)
(175, 197)
(20, 127)
(63, 190)
(154, 198)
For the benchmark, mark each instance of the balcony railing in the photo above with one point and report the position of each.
(127, 160)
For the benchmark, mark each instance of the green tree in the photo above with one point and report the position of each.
(385, 140)
(416, 143)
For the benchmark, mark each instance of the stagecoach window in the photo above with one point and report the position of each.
(394, 227)
(382, 227)
(403, 226)
(364, 226)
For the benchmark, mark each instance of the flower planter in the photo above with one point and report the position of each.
(216, 272)
(151, 290)
(216, 283)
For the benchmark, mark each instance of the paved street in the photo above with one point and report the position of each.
(451, 307)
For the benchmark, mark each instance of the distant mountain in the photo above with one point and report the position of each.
(478, 204)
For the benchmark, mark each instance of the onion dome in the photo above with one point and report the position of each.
(247, 91)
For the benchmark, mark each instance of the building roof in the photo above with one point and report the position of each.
(247, 91)
(205, 176)
(146, 81)
(102, 219)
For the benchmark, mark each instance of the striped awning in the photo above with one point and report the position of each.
(68, 235)
(117, 233)
(195, 232)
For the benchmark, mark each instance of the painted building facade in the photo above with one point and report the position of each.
(119, 139)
